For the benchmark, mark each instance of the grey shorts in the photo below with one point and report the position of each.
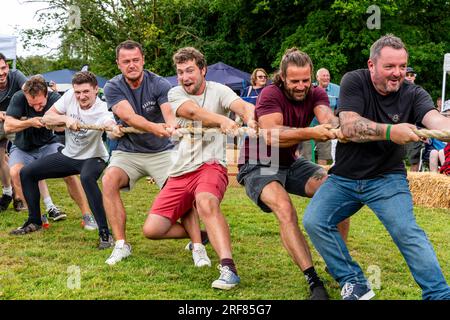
(5, 137)
(323, 150)
(19, 156)
(139, 165)
(413, 151)
(293, 178)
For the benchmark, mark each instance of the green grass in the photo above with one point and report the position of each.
(35, 266)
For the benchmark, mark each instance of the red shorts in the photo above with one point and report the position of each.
(178, 195)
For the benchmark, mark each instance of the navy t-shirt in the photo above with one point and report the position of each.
(296, 114)
(31, 138)
(146, 101)
(371, 159)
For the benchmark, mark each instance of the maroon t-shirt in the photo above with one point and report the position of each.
(296, 114)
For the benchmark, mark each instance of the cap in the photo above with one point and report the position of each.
(409, 70)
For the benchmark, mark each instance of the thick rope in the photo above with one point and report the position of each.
(438, 134)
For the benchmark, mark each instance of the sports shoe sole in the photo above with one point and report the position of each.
(223, 286)
(60, 217)
(87, 227)
(369, 295)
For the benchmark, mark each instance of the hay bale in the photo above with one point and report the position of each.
(431, 190)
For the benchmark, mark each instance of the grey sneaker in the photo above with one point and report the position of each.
(351, 291)
(88, 222)
(121, 251)
(105, 241)
(55, 214)
(227, 280)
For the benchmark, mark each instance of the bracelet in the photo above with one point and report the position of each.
(388, 132)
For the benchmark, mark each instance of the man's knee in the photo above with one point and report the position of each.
(111, 182)
(14, 171)
(206, 204)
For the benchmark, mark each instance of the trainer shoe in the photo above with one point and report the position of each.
(121, 251)
(351, 291)
(227, 280)
(319, 293)
(189, 247)
(88, 222)
(28, 227)
(5, 200)
(19, 205)
(44, 220)
(55, 214)
(105, 240)
(200, 256)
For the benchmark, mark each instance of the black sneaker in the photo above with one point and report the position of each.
(26, 228)
(19, 205)
(319, 293)
(105, 240)
(55, 214)
(5, 200)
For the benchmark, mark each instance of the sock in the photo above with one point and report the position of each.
(120, 243)
(48, 203)
(204, 236)
(8, 191)
(312, 278)
(230, 264)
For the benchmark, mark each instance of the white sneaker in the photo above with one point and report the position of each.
(121, 251)
(200, 256)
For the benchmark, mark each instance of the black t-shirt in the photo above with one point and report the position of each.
(16, 79)
(371, 159)
(31, 138)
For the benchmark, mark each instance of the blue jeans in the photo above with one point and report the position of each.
(389, 197)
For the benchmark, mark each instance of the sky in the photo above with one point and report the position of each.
(19, 15)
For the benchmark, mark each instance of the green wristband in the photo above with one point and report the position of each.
(388, 132)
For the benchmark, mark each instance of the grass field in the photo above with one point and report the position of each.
(45, 265)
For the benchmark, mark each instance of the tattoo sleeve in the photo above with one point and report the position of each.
(358, 129)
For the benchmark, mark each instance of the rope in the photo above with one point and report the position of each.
(438, 134)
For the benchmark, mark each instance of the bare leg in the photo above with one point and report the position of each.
(77, 194)
(208, 207)
(434, 160)
(15, 178)
(4, 169)
(113, 180)
(158, 227)
(191, 224)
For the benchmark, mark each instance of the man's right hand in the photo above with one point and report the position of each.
(322, 132)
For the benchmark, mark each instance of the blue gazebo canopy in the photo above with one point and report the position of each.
(64, 77)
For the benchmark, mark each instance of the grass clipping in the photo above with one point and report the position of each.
(431, 190)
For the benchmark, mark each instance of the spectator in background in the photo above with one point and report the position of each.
(413, 148)
(11, 81)
(325, 150)
(445, 168)
(258, 82)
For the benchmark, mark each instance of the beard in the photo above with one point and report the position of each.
(384, 85)
(193, 88)
(296, 95)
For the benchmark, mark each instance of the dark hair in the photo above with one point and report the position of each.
(35, 85)
(188, 54)
(82, 77)
(128, 45)
(388, 40)
(2, 57)
(253, 77)
(292, 56)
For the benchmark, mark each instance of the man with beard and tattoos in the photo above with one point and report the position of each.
(285, 110)
(377, 111)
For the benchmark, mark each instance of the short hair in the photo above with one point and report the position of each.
(35, 85)
(128, 45)
(321, 69)
(2, 57)
(188, 54)
(292, 56)
(388, 40)
(253, 77)
(82, 77)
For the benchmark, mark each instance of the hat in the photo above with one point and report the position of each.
(409, 70)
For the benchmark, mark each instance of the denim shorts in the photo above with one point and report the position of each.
(293, 178)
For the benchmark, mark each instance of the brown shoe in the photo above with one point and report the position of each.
(26, 228)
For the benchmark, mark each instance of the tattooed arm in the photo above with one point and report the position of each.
(358, 129)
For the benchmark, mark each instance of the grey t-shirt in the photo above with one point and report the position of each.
(16, 79)
(146, 101)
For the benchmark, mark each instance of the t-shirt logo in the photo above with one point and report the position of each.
(395, 118)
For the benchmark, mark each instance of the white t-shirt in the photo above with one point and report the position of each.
(192, 153)
(84, 144)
